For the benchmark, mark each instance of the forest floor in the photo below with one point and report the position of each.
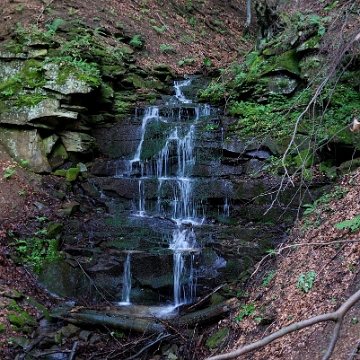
(199, 30)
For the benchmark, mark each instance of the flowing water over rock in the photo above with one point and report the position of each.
(178, 212)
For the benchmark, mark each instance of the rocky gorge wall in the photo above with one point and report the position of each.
(74, 117)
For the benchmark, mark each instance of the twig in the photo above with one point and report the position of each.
(300, 244)
(73, 350)
(205, 297)
(43, 9)
(159, 338)
(354, 350)
(336, 316)
(93, 283)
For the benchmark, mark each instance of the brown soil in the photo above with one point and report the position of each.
(281, 303)
(195, 29)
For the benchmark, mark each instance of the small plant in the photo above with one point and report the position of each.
(9, 172)
(24, 163)
(22, 192)
(112, 12)
(8, 92)
(72, 11)
(352, 224)
(136, 41)
(207, 62)
(117, 334)
(186, 61)
(209, 127)
(272, 252)
(165, 48)
(161, 29)
(37, 249)
(267, 279)
(192, 21)
(247, 310)
(54, 26)
(306, 281)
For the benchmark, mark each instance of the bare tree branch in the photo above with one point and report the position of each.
(336, 316)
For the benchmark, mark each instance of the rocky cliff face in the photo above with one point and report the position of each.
(51, 100)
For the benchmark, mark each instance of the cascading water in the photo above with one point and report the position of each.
(126, 281)
(172, 167)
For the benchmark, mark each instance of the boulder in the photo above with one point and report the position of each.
(65, 82)
(77, 142)
(47, 113)
(26, 145)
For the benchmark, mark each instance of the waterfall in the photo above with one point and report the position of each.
(183, 242)
(171, 169)
(125, 299)
(151, 112)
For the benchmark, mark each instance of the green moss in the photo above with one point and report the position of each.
(2, 328)
(72, 174)
(305, 158)
(54, 230)
(155, 139)
(216, 339)
(16, 320)
(60, 172)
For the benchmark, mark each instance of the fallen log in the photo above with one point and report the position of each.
(115, 318)
(206, 315)
(89, 317)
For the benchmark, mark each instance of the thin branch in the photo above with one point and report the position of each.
(43, 9)
(93, 283)
(300, 244)
(354, 350)
(336, 316)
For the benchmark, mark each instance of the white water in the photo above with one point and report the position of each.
(125, 299)
(172, 167)
(152, 112)
(184, 242)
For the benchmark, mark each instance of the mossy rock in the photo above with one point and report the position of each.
(310, 44)
(60, 172)
(113, 71)
(305, 158)
(155, 139)
(72, 174)
(54, 230)
(16, 320)
(217, 338)
(163, 72)
(288, 61)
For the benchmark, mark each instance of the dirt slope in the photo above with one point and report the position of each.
(332, 254)
(189, 31)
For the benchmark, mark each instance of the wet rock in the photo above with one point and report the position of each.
(69, 208)
(84, 335)
(217, 338)
(70, 330)
(95, 339)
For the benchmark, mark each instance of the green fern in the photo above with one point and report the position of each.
(352, 224)
(160, 30)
